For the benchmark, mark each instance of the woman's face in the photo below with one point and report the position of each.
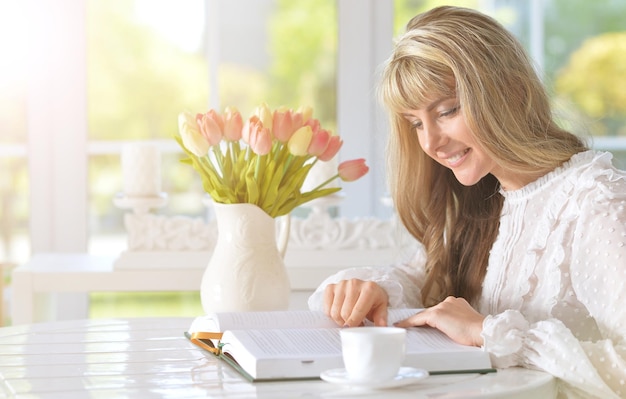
(444, 136)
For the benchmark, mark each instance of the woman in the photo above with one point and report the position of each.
(522, 228)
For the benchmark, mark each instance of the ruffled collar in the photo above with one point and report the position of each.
(576, 162)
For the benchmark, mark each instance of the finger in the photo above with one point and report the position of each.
(367, 301)
(418, 319)
(338, 299)
(351, 298)
(329, 297)
(379, 316)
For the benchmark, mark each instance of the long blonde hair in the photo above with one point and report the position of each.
(451, 51)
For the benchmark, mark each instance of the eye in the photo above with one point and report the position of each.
(450, 112)
(417, 125)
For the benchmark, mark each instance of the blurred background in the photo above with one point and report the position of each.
(80, 78)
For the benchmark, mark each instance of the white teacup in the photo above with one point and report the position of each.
(372, 354)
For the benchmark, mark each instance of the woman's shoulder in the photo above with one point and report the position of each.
(595, 170)
(587, 171)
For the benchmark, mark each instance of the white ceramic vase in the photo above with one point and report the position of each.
(246, 271)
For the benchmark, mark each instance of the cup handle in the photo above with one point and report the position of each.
(283, 236)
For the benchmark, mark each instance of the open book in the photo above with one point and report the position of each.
(302, 344)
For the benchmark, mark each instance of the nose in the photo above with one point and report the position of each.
(431, 137)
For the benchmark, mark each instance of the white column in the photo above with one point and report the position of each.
(57, 130)
(365, 38)
(536, 21)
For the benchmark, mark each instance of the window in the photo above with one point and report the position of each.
(96, 74)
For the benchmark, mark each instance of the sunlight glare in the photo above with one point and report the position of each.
(13, 43)
(181, 22)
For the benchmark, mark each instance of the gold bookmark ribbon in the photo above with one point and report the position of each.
(200, 338)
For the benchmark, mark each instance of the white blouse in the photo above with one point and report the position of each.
(555, 288)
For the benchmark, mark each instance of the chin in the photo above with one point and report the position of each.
(467, 180)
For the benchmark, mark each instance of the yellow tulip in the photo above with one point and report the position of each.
(192, 138)
(306, 112)
(299, 143)
(265, 115)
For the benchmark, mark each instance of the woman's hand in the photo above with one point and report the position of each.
(455, 317)
(350, 302)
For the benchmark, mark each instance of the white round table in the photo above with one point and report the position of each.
(151, 358)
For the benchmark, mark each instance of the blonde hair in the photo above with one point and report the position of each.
(447, 52)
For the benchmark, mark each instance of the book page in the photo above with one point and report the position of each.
(428, 339)
(217, 322)
(293, 342)
(262, 320)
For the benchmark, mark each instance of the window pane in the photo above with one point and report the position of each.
(585, 53)
(281, 52)
(14, 240)
(145, 64)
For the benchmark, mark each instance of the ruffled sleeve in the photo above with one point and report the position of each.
(402, 282)
(588, 369)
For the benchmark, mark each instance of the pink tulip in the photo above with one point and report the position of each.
(211, 126)
(283, 125)
(299, 143)
(314, 123)
(352, 170)
(334, 144)
(233, 124)
(257, 136)
(297, 120)
(319, 142)
(261, 141)
(253, 123)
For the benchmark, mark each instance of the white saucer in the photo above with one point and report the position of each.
(405, 376)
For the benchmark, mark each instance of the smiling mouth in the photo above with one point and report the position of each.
(455, 158)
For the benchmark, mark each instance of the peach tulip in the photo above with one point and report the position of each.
(211, 126)
(314, 123)
(257, 136)
(251, 124)
(190, 134)
(319, 142)
(284, 124)
(233, 124)
(334, 144)
(352, 170)
(299, 143)
(261, 141)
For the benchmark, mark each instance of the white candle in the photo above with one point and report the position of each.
(141, 170)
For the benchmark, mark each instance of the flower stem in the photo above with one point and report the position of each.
(325, 183)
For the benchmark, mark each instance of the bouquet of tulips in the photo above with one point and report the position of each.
(263, 160)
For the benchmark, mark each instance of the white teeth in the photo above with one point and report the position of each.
(455, 158)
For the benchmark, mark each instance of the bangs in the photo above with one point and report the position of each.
(413, 83)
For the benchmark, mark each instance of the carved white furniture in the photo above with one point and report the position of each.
(319, 240)
(170, 253)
